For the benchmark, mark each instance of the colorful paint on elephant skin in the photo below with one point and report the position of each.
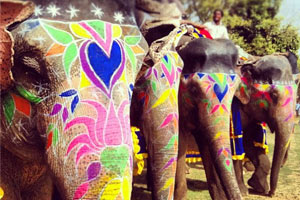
(20, 100)
(262, 96)
(85, 39)
(12, 102)
(105, 54)
(107, 137)
(160, 92)
(217, 86)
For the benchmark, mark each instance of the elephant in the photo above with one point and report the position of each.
(67, 77)
(270, 82)
(208, 85)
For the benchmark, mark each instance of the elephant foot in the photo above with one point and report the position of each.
(249, 166)
(271, 193)
(243, 189)
(255, 183)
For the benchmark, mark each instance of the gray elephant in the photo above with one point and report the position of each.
(270, 82)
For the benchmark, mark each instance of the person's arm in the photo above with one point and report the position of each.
(225, 34)
(196, 25)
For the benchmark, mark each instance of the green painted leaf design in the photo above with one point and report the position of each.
(115, 159)
(131, 56)
(28, 95)
(98, 26)
(58, 35)
(70, 54)
(171, 142)
(50, 127)
(9, 108)
(132, 40)
(55, 136)
(154, 86)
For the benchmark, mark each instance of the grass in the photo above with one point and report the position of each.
(288, 187)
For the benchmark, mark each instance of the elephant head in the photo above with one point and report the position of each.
(77, 68)
(271, 85)
(207, 87)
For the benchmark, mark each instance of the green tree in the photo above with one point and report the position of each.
(252, 24)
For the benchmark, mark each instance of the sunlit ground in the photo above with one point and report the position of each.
(288, 187)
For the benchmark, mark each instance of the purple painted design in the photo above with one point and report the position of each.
(169, 163)
(56, 108)
(93, 170)
(210, 78)
(65, 114)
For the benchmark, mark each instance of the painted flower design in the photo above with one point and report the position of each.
(108, 129)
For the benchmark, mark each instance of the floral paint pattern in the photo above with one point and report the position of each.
(218, 89)
(105, 54)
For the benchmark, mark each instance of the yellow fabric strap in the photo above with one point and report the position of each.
(138, 158)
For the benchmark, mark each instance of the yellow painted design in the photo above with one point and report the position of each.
(287, 144)
(79, 31)
(117, 31)
(162, 98)
(221, 110)
(175, 56)
(217, 135)
(126, 189)
(220, 77)
(168, 183)
(111, 190)
(123, 77)
(286, 92)
(84, 82)
(173, 97)
(1, 193)
(137, 49)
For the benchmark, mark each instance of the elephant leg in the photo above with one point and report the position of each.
(260, 160)
(180, 180)
(41, 190)
(215, 187)
(238, 168)
(149, 179)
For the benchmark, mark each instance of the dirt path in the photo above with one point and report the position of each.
(288, 187)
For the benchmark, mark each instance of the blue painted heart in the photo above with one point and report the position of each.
(219, 93)
(102, 70)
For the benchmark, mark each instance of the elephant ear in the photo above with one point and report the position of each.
(11, 12)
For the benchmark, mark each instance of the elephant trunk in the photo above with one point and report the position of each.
(282, 139)
(221, 155)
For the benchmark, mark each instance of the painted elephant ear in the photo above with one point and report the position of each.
(10, 13)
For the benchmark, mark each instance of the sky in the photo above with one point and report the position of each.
(290, 11)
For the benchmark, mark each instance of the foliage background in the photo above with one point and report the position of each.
(252, 24)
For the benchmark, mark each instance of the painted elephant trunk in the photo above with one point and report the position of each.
(216, 92)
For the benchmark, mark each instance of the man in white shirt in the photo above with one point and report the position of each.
(216, 28)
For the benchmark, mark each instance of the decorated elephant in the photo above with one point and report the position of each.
(208, 85)
(270, 83)
(67, 76)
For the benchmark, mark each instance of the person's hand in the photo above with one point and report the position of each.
(196, 25)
